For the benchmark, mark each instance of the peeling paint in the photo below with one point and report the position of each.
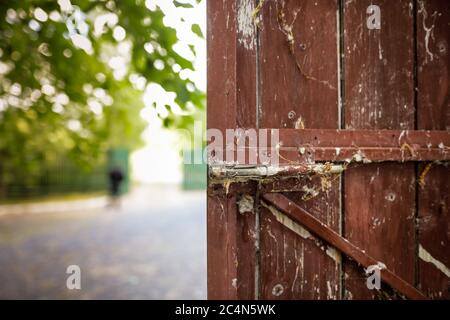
(302, 232)
(296, 271)
(310, 192)
(359, 157)
(428, 31)
(289, 223)
(348, 295)
(334, 254)
(427, 257)
(380, 51)
(302, 150)
(300, 124)
(330, 291)
(246, 27)
(246, 204)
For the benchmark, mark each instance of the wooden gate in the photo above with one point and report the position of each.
(363, 113)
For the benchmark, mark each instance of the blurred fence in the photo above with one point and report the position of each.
(61, 177)
(194, 175)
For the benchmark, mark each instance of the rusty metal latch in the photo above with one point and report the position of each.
(255, 172)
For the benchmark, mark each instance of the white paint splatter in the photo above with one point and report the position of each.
(302, 232)
(329, 291)
(246, 27)
(428, 31)
(427, 257)
(380, 51)
(246, 204)
(334, 254)
(288, 223)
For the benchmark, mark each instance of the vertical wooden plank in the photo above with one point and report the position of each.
(231, 104)
(433, 59)
(298, 87)
(231, 243)
(379, 66)
(221, 247)
(433, 113)
(379, 218)
(434, 226)
(379, 94)
(295, 265)
(298, 63)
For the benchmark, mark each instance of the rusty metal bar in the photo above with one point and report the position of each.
(367, 146)
(321, 230)
(265, 171)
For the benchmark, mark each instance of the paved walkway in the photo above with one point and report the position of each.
(152, 247)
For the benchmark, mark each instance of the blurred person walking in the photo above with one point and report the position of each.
(115, 179)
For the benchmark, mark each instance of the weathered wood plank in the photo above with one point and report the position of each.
(293, 264)
(363, 145)
(433, 64)
(298, 62)
(433, 97)
(379, 66)
(379, 94)
(231, 104)
(330, 237)
(298, 87)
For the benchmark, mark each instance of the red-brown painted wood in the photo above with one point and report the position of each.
(299, 267)
(298, 63)
(298, 87)
(285, 75)
(316, 227)
(433, 113)
(231, 104)
(379, 94)
(363, 145)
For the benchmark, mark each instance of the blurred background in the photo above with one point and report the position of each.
(99, 101)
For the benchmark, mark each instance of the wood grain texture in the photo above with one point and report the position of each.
(433, 97)
(231, 104)
(379, 218)
(298, 87)
(333, 239)
(301, 267)
(379, 66)
(379, 94)
(433, 59)
(362, 145)
(284, 74)
(298, 62)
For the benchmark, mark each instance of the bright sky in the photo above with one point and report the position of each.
(159, 161)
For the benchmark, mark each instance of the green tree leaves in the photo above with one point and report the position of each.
(72, 75)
